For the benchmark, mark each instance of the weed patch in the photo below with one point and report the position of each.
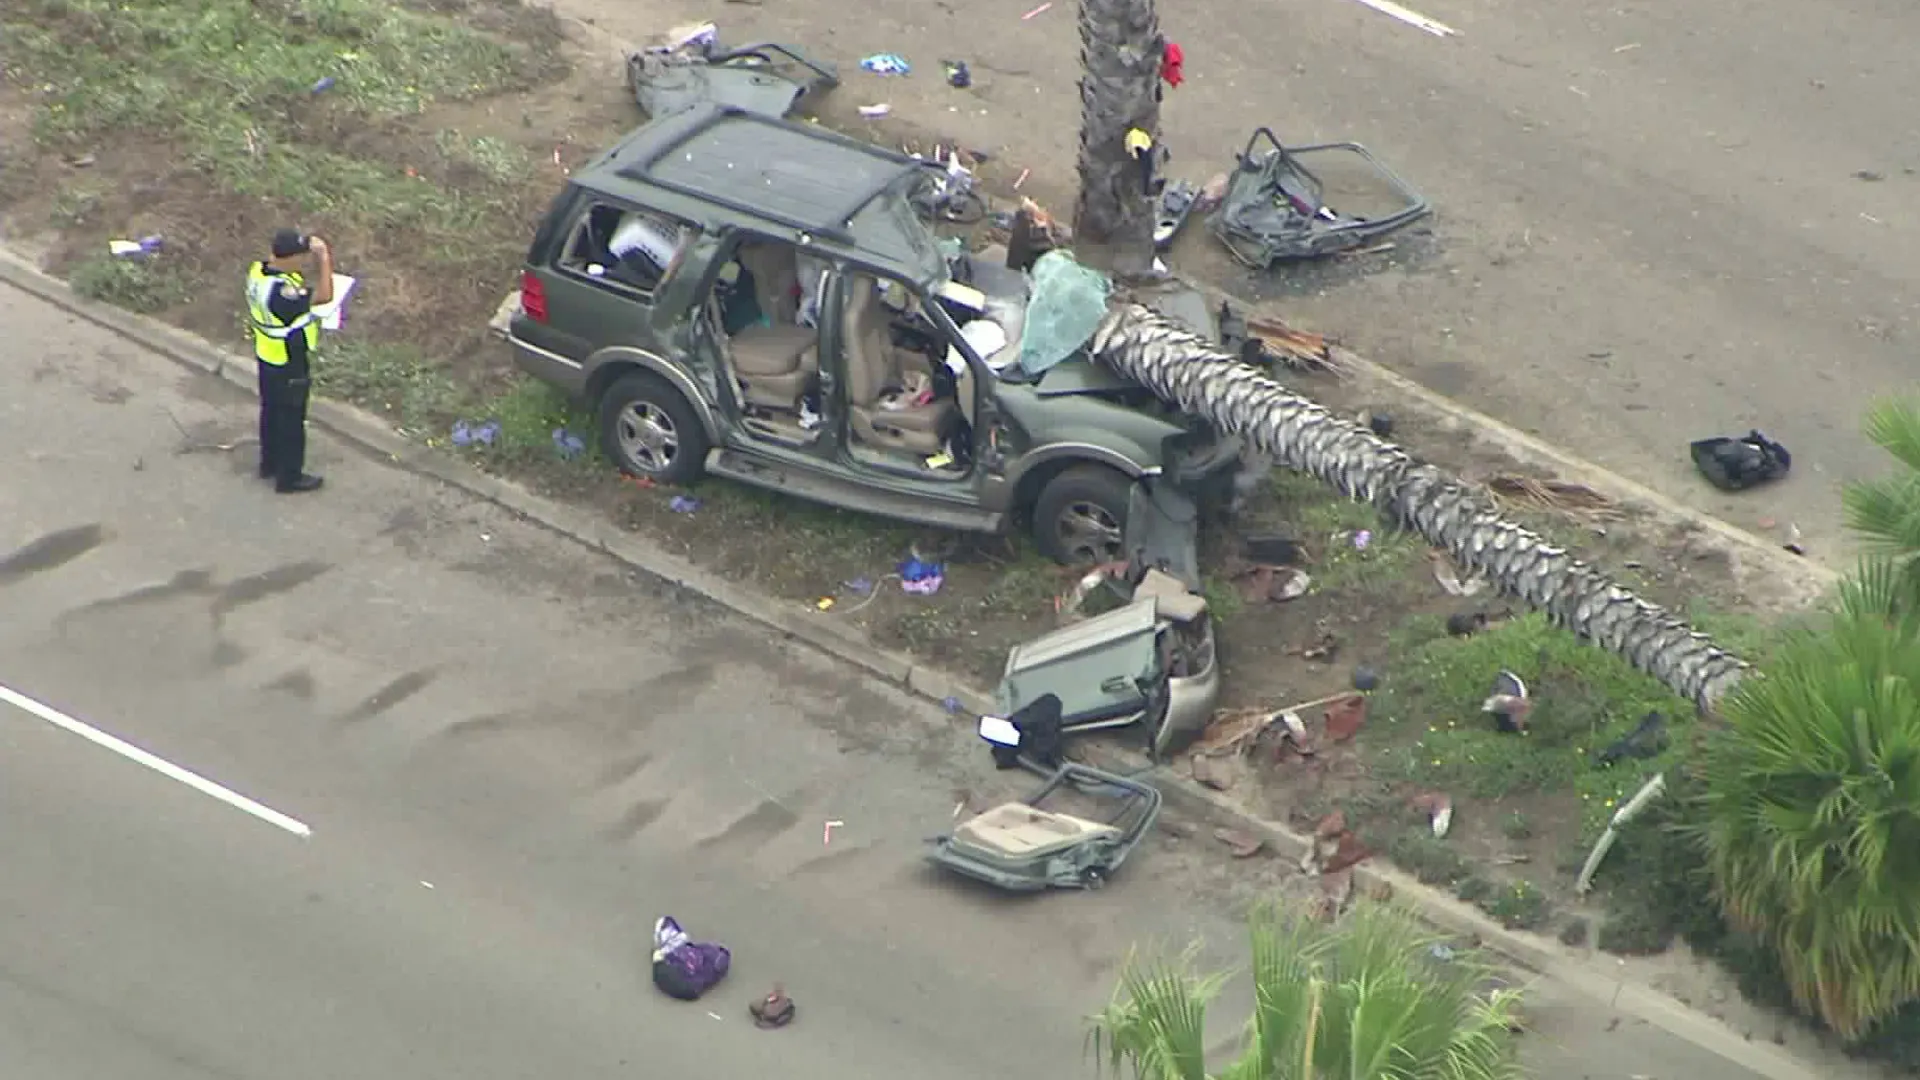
(1584, 700)
(1355, 549)
(148, 285)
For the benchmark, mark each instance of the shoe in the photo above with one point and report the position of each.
(303, 482)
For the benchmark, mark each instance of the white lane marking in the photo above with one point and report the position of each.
(1410, 17)
(165, 768)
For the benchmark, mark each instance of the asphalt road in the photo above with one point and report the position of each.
(1655, 221)
(510, 757)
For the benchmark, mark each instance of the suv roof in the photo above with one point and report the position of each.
(720, 166)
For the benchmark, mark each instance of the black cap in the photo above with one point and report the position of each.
(290, 242)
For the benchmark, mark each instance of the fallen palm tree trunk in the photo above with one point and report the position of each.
(1191, 373)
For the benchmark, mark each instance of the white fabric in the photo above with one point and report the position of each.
(985, 336)
(649, 237)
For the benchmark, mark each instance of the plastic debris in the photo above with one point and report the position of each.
(466, 434)
(886, 64)
(683, 504)
(1738, 464)
(568, 444)
(952, 705)
(875, 112)
(1438, 806)
(858, 586)
(1365, 679)
(135, 249)
(825, 603)
(321, 87)
(1067, 304)
(959, 76)
(1361, 539)
(1509, 704)
(1036, 11)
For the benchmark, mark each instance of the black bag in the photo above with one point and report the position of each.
(1738, 464)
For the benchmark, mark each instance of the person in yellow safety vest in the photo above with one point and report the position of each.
(280, 305)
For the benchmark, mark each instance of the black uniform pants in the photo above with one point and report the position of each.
(283, 419)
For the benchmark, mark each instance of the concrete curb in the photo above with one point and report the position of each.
(795, 622)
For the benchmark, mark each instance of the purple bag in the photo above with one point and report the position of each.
(684, 968)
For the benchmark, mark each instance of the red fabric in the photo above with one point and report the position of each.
(1170, 60)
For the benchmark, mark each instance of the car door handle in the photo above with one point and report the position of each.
(1119, 684)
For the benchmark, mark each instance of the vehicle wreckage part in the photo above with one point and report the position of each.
(1190, 373)
(647, 429)
(1274, 208)
(767, 78)
(1024, 847)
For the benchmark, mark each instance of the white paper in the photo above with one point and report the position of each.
(332, 313)
(999, 731)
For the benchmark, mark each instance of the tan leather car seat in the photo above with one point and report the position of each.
(774, 363)
(871, 369)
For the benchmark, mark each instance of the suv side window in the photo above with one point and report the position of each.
(627, 249)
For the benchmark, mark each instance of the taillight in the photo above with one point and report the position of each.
(533, 296)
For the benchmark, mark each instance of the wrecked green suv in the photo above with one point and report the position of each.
(739, 295)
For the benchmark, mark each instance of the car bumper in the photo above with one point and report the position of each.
(548, 366)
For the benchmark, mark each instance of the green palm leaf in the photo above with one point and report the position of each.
(1364, 999)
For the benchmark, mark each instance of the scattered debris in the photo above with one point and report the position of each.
(1344, 717)
(826, 834)
(324, 84)
(959, 76)
(1334, 847)
(1792, 539)
(1211, 193)
(1365, 679)
(919, 577)
(689, 68)
(1294, 348)
(1737, 464)
(1438, 807)
(1508, 704)
(1869, 176)
(1275, 583)
(875, 112)
(1555, 495)
(1214, 770)
(80, 161)
(1466, 623)
(1449, 578)
(773, 1011)
(1645, 741)
(1173, 60)
(1274, 209)
(1325, 647)
(136, 249)
(1362, 539)
(886, 64)
(1036, 11)
(682, 967)
(1243, 845)
(469, 434)
(1024, 847)
(568, 444)
(683, 504)
(1379, 423)
(1174, 208)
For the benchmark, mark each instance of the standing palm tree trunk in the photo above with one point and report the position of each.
(1120, 51)
(1188, 372)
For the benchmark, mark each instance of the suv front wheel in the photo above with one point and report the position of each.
(647, 429)
(1081, 516)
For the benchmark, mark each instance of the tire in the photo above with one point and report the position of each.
(648, 430)
(1095, 495)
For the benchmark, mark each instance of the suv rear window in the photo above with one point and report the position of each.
(623, 247)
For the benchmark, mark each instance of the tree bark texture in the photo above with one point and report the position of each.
(1120, 51)
(1189, 372)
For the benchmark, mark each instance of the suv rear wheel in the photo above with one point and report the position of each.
(1081, 516)
(648, 430)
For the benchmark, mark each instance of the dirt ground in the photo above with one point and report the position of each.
(1375, 604)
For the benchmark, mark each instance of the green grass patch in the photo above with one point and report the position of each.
(145, 285)
(231, 84)
(1354, 548)
(1583, 700)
